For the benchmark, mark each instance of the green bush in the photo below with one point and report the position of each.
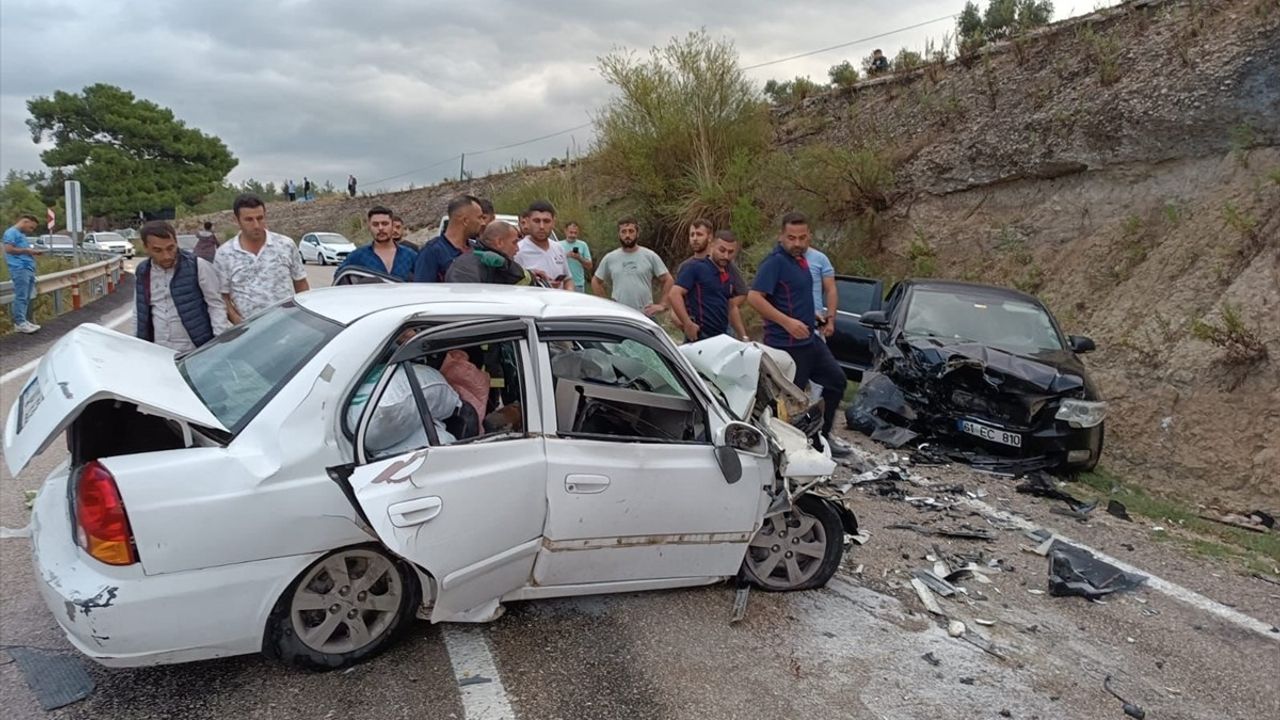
(906, 60)
(563, 188)
(844, 75)
(791, 92)
(1242, 343)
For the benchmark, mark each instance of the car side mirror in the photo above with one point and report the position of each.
(1082, 344)
(746, 438)
(730, 464)
(875, 319)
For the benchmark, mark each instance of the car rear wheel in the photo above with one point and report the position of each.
(346, 607)
(798, 549)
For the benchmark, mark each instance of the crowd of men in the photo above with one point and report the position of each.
(183, 300)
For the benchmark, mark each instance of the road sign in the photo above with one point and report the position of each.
(52, 218)
(75, 219)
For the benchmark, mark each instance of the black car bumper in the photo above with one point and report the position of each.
(1057, 443)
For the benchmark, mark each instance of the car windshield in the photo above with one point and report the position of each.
(243, 368)
(1008, 324)
(332, 239)
(107, 237)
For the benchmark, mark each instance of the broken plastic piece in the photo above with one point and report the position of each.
(1117, 509)
(926, 597)
(1075, 571)
(934, 583)
(740, 601)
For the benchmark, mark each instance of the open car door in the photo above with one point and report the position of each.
(465, 504)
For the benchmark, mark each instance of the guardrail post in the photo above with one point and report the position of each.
(75, 294)
(57, 303)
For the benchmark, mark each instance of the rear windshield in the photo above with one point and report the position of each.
(237, 373)
(855, 297)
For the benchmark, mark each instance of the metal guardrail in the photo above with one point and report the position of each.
(106, 270)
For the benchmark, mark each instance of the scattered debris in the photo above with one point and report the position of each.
(56, 679)
(935, 583)
(931, 659)
(1133, 711)
(963, 534)
(1116, 508)
(22, 532)
(1257, 521)
(968, 681)
(740, 601)
(1075, 571)
(1041, 484)
(926, 597)
(985, 623)
(955, 628)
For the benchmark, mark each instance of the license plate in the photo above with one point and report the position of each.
(28, 402)
(989, 433)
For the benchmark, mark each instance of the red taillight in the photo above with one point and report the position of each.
(102, 527)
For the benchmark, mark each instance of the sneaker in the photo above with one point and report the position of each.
(37, 327)
(838, 447)
(27, 328)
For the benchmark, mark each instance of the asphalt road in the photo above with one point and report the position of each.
(862, 647)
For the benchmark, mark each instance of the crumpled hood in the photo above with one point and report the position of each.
(1054, 373)
(735, 368)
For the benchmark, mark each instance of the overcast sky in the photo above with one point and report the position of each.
(386, 88)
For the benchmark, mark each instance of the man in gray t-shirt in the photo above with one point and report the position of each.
(630, 271)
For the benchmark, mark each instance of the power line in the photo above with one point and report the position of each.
(417, 170)
(531, 140)
(851, 42)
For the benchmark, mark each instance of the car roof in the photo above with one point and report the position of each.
(349, 303)
(970, 287)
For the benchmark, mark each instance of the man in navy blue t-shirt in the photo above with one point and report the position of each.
(703, 290)
(783, 295)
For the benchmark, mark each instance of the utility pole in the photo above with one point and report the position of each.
(462, 168)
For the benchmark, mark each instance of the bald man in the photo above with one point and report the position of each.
(491, 259)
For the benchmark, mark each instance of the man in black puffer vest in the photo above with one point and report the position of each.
(176, 300)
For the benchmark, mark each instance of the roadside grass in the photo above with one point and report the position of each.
(1256, 552)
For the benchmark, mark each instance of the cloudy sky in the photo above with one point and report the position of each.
(388, 88)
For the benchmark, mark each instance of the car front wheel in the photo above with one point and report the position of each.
(346, 607)
(798, 549)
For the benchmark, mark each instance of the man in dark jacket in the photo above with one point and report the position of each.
(177, 303)
(206, 243)
(491, 259)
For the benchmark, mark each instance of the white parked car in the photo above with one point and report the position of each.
(325, 248)
(108, 242)
(285, 489)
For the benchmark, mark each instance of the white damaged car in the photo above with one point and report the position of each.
(313, 479)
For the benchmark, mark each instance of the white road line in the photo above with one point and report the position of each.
(483, 696)
(22, 370)
(1173, 590)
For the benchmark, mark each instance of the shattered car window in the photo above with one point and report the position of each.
(240, 370)
(1011, 325)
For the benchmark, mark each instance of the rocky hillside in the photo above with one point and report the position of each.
(1125, 167)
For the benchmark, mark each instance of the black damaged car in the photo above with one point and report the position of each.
(984, 373)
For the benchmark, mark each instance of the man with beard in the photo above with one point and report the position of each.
(700, 234)
(783, 295)
(439, 253)
(703, 289)
(384, 254)
(491, 260)
(630, 271)
(397, 229)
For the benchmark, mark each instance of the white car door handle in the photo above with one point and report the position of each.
(414, 512)
(585, 484)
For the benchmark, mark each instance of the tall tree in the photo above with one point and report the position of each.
(130, 155)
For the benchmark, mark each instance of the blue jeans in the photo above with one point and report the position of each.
(24, 289)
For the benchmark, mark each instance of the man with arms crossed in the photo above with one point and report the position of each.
(257, 267)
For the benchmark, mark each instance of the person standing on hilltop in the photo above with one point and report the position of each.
(439, 253)
(383, 254)
(291, 190)
(257, 267)
(306, 188)
(351, 185)
(578, 253)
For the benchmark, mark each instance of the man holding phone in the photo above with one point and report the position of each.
(544, 259)
(578, 255)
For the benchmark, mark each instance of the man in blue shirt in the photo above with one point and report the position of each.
(704, 289)
(384, 254)
(20, 257)
(783, 295)
(439, 253)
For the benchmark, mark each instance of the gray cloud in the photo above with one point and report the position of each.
(326, 87)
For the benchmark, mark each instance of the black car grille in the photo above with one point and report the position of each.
(1005, 409)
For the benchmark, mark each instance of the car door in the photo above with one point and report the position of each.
(308, 248)
(468, 509)
(851, 342)
(634, 491)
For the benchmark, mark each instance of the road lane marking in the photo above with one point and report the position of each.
(1173, 590)
(483, 696)
(22, 370)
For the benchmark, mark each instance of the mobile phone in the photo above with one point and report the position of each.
(561, 278)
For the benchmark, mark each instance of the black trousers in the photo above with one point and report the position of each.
(814, 362)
